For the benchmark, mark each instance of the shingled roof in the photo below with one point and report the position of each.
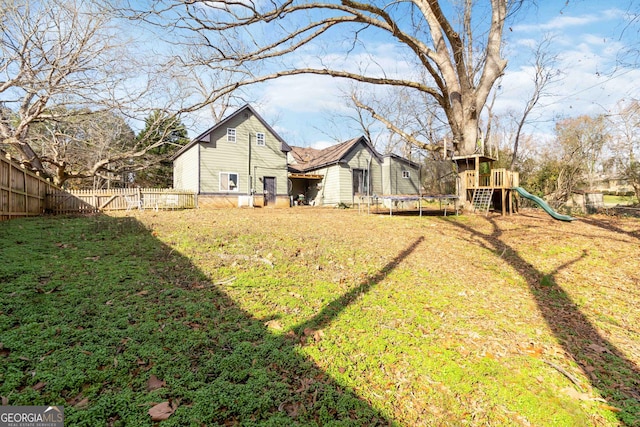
(203, 137)
(309, 159)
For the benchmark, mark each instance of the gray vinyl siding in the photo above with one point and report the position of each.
(185, 170)
(393, 181)
(361, 158)
(337, 184)
(332, 191)
(267, 160)
(219, 155)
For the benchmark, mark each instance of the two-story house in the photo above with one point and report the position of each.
(240, 161)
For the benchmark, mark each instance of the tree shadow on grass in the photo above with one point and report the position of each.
(608, 225)
(98, 315)
(335, 307)
(610, 372)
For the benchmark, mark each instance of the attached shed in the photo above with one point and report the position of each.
(400, 176)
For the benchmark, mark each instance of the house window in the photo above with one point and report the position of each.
(406, 174)
(231, 135)
(260, 139)
(228, 181)
(360, 181)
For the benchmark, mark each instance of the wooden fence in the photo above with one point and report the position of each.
(22, 193)
(86, 201)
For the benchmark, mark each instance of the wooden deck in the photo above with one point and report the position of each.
(500, 181)
(496, 179)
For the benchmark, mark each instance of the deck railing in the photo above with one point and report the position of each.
(497, 178)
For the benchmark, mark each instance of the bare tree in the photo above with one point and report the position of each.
(543, 76)
(412, 122)
(73, 146)
(456, 46)
(579, 147)
(626, 143)
(62, 64)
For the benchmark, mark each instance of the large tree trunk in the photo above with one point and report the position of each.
(467, 136)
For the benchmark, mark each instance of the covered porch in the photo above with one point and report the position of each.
(304, 188)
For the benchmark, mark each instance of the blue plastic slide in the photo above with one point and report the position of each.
(524, 193)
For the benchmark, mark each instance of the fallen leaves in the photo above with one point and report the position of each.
(316, 334)
(534, 351)
(273, 325)
(64, 245)
(292, 409)
(598, 348)
(162, 411)
(155, 383)
(78, 402)
(39, 386)
(575, 394)
(578, 395)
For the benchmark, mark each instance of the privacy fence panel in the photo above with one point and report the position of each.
(22, 193)
(87, 201)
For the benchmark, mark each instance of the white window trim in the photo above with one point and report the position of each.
(406, 174)
(264, 138)
(231, 135)
(229, 173)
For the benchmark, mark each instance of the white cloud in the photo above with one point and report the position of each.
(560, 23)
(315, 100)
(587, 50)
(319, 145)
(303, 94)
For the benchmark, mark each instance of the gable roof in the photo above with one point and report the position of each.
(284, 147)
(308, 159)
(402, 159)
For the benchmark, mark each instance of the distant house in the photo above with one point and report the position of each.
(240, 161)
(348, 172)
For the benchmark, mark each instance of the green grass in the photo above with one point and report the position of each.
(619, 200)
(317, 317)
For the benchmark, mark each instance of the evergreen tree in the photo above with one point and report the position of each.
(169, 134)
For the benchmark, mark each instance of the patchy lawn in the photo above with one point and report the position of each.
(619, 200)
(322, 317)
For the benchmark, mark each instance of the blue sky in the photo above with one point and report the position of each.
(588, 38)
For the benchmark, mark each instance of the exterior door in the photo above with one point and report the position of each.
(360, 182)
(269, 184)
